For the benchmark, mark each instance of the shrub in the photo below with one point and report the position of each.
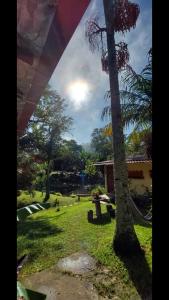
(58, 194)
(73, 195)
(18, 193)
(26, 199)
(54, 202)
(98, 189)
(21, 203)
(143, 202)
(26, 193)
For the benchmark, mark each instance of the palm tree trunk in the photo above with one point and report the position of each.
(125, 240)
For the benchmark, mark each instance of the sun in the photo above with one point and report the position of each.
(78, 91)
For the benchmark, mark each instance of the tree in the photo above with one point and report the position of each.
(45, 128)
(40, 178)
(136, 98)
(136, 108)
(90, 169)
(140, 143)
(30, 166)
(119, 16)
(69, 158)
(26, 169)
(101, 144)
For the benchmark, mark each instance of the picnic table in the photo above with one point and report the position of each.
(98, 200)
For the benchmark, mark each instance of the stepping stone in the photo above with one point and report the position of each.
(77, 263)
(58, 286)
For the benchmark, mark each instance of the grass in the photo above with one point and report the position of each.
(50, 235)
(26, 199)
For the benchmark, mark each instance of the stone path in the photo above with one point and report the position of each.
(59, 284)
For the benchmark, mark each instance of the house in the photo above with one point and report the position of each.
(139, 174)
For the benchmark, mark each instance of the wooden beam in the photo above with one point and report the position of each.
(59, 30)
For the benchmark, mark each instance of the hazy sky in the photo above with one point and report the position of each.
(79, 78)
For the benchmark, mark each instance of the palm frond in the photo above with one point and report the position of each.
(107, 130)
(106, 112)
(136, 98)
(107, 96)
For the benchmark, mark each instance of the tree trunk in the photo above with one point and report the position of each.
(50, 145)
(47, 196)
(125, 240)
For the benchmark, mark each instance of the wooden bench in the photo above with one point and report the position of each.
(109, 208)
(105, 203)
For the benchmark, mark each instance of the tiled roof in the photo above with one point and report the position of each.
(128, 161)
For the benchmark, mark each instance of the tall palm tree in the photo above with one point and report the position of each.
(119, 16)
(125, 239)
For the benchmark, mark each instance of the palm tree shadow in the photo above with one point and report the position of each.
(140, 274)
(39, 228)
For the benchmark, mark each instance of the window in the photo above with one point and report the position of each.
(135, 174)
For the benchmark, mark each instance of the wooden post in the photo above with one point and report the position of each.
(105, 178)
(90, 216)
(110, 211)
(98, 209)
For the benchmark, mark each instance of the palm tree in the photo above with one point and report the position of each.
(136, 98)
(120, 16)
(140, 143)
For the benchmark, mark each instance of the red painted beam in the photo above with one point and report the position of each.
(69, 14)
(67, 17)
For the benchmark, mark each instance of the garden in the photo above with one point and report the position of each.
(64, 219)
(52, 234)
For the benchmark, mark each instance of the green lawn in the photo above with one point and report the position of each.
(25, 199)
(50, 235)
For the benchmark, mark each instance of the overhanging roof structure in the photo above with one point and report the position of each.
(44, 28)
(128, 161)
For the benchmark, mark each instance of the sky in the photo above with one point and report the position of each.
(79, 78)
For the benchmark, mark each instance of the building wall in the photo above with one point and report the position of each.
(109, 179)
(137, 184)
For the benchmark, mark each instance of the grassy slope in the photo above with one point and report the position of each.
(25, 199)
(50, 235)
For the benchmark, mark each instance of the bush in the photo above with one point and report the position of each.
(52, 192)
(26, 192)
(21, 203)
(143, 202)
(98, 189)
(58, 194)
(25, 198)
(73, 195)
(55, 202)
(18, 193)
